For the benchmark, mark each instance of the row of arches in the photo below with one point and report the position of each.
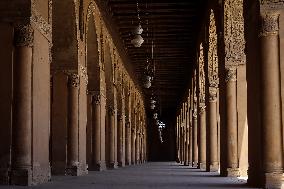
(73, 104)
(230, 120)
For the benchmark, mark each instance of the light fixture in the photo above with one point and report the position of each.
(155, 115)
(147, 81)
(152, 106)
(138, 40)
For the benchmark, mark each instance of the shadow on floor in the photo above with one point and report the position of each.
(153, 175)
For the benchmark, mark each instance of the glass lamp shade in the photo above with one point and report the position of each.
(137, 41)
(147, 82)
(155, 115)
(152, 106)
(138, 30)
(152, 101)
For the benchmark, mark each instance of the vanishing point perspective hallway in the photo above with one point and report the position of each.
(153, 175)
(141, 94)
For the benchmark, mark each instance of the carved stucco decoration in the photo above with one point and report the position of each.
(234, 33)
(201, 75)
(213, 53)
(93, 11)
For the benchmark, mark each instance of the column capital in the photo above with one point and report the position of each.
(111, 110)
(73, 80)
(202, 109)
(194, 114)
(269, 23)
(231, 73)
(213, 94)
(96, 97)
(23, 35)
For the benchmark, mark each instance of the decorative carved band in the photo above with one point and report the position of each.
(231, 74)
(73, 80)
(24, 35)
(269, 24)
(42, 25)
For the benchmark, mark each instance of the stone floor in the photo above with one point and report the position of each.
(165, 175)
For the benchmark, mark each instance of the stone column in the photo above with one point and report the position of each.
(202, 138)
(213, 130)
(194, 140)
(137, 147)
(177, 140)
(186, 162)
(271, 100)
(111, 122)
(133, 150)
(73, 126)
(96, 132)
(22, 111)
(128, 143)
(231, 122)
(120, 125)
(190, 160)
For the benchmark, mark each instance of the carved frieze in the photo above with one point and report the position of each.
(213, 53)
(234, 32)
(23, 35)
(201, 76)
(42, 25)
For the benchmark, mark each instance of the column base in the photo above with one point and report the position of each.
(232, 172)
(194, 164)
(186, 163)
(100, 166)
(273, 181)
(22, 177)
(213, 168)
(121, 164)
(201, 166)
(112, 165)
(76, 170)
(4, 176)
(127, 163)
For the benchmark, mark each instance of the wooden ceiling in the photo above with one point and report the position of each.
(173, 25)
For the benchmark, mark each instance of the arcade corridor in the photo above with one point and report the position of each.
(158, 175)
(95, 93)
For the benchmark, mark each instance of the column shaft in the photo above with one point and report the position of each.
(231, 123)
(96, 132)
(202, 139)
(271, 101)
(111, 122)
(22, 110)
(128, 144)
(194, 143)
(213, 132)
